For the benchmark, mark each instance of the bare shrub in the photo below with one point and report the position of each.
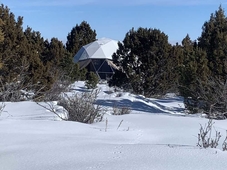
(209, 97)
(205, 138)
(10, 92)
(81, 107)
(60, 85)
(18, 87)
(53, 108)
(15, 91)
(2, 106)
(54, 93)
(224, 144)
(119, 110)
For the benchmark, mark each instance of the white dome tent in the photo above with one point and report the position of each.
(97, 57)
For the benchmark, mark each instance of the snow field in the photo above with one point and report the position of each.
(155, 136)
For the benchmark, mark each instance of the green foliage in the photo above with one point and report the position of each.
(119, 79)
(143, 56)
(1, 39)
(79, 36)
(22, 53)
(13, 36)
(53, 52)
(203, 70)
(92, 80)
(72, 70)
(213, 40)
(192, 71)
(1, 32)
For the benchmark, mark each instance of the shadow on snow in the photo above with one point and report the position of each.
(138, 106)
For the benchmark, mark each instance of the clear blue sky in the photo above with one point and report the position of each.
(114, 18)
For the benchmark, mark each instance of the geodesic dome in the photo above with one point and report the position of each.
(97, 57)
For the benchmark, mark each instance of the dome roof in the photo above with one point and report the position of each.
(100, 49)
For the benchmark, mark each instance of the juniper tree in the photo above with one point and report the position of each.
(1, 32)
(143, 56)
(213, 40)
(194, 74)
(1, 39)
(79, 36)
(92, 80)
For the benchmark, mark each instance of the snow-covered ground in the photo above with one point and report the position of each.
(157, 135)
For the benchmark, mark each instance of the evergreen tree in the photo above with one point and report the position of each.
(175, 61)
(21, 53)
(1, 32)
(35, 46)
(213, 40)
(12, 46)
(79, 36)
(194, 74)
(1, 39)
(54, 52)
(72, 70)
(143, 57)
(92, 80)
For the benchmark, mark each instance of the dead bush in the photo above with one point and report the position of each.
(52, 107)
(2, 106)
(121, 110)
(224, 144)
(54, 93)
(205, 138)
(81, 107)
(14, 92)
(18, 87)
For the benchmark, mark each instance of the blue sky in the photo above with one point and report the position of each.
(114, 18)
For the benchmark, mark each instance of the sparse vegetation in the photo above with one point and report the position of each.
(120, 110)
(2, 106)
(205, 138)
(81, 107)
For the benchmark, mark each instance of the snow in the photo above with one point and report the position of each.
(156, 135)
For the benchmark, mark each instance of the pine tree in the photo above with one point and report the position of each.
(143, 57)
(35, 46)
(213, 40)
(79, 36)
(1, 40)
(194, 74)
(71, 69)
(1, 32)
(92, 80)
(12, 46)
(54, 52)
(174, 63)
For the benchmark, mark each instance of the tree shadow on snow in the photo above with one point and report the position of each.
(136, 105)
(158, 103)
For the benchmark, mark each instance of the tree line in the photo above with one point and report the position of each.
(195, 69)
(34, 63)
(148, 63)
